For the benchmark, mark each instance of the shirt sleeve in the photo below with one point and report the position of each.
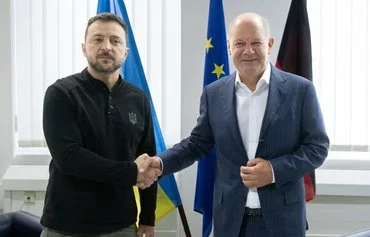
(273, 174)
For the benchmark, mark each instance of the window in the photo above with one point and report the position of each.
(340, 32)
(47, 38)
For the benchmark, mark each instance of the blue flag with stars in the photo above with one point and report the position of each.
(168, 196)
(216, 66)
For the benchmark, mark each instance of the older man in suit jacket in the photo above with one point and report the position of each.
(268, 130)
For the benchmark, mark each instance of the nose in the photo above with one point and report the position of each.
(106, 45)
(248, 49)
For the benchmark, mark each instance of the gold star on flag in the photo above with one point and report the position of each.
(209, 44)
(218, 70)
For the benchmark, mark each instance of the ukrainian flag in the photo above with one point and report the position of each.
(216, 66)
(168, 197)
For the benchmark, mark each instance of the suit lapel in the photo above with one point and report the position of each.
(228, 105)
(277, 92)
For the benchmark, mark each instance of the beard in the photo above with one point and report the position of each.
(98, 67)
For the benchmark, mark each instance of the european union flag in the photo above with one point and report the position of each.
(216, 66)
(168, 197)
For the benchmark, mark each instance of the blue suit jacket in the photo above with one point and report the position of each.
(292, 138)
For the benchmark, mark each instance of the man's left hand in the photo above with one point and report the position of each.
(145, 231)
(257, 173)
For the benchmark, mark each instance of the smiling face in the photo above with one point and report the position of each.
(105, 47)
(250, 45)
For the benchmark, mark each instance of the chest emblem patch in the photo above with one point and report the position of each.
(132, 118)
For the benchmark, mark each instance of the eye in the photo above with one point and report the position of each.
(239, 44)
(257, 44)
(97, 40)
(116, 41)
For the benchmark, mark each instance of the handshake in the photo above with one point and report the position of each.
(149, 169)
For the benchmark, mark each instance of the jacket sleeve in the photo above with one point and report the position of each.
(196, 146)
(314, 143)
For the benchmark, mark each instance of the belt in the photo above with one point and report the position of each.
(253, 211)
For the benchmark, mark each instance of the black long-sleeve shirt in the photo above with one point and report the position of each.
(94, 135)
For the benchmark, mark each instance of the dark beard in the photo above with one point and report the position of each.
(100, 69)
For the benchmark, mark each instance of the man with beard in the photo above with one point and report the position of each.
(95, 125)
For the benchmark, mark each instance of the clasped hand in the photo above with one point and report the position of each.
(149, 169)
(257, 173)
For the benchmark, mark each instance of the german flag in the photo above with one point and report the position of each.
(295, 57)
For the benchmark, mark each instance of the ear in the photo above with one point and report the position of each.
(228, 47)
(270, 44)
(126, 53)
(83, 47)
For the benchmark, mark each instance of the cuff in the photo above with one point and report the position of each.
(161, 162)
(273, 174)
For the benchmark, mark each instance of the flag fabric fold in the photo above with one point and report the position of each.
(216, 66)
(168, 197)
(295, 56)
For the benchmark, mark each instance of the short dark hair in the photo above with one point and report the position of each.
(107, 17)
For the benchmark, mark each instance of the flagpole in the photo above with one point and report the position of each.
(184, 221)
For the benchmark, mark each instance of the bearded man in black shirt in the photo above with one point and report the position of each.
(96, 125)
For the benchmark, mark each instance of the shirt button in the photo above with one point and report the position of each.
(111, 107)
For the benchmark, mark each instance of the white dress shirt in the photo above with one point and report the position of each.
(250, 109)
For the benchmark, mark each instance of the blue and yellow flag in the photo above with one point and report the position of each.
(216, 66)
(168, 197)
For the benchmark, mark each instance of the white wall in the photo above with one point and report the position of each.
(194, 17)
